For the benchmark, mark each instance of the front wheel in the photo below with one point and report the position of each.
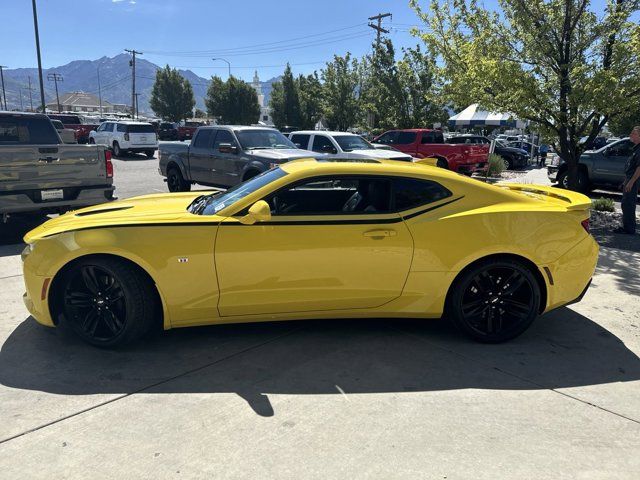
(106, 301)
(583, 181)
(175, 182)
(508, 163)
(494, 301)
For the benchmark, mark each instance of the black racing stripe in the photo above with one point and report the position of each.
(407, 217)
(138, 225)
(319, 222)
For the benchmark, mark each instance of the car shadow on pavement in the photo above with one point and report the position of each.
(12, 232)
(562, 349)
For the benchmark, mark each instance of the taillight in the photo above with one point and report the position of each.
(107, 157)
(585, 225)
(126, 137)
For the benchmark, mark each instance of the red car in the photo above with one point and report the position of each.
(186, 131)
(423, 143)
(74, 122)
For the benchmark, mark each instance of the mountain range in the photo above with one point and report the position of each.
(115, 82)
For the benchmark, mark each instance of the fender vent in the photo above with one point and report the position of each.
(104, 210)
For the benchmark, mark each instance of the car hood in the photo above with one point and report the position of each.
(144, 210)
(380, 153)
(282, 153)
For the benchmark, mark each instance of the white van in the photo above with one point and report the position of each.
(121, 137)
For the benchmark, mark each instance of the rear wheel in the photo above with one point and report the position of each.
(116, 149)
(106, 301)
(175, 182)
(494, 301)
(583, 181)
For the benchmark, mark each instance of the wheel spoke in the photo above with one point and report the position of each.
(90, 322)
(473, 308)
(79, 299)
(111, 321)
(516, 280)
(90, 279)
(516, 308)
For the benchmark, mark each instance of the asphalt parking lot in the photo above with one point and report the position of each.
(325, 399)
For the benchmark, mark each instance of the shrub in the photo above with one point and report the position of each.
(496, 165)
(603, 205)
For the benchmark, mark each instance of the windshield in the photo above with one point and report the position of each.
(349, 143)
(261, 139)
(212, 204)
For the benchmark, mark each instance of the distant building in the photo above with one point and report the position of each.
(82, 102)
(265, 111)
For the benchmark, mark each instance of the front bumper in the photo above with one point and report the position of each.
(37, 291)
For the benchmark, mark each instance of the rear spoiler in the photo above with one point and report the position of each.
(572, 201)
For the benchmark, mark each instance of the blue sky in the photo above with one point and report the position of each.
(308, 32)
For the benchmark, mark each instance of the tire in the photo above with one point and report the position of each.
(149, 153)
(584, 185)
(175, 181)
(494, 300)
(508, 163)
(106, 301)
(92, 141)
(116, 149)
(441, 163)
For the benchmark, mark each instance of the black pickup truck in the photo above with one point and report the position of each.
(224, 156)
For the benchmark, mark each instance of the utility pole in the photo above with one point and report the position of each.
(4, 96)
(56, 77)
(99, 91)
(378, 28)
(21, 106)
(30, 97)
(35, 26)
(133, 79)
(136, 111)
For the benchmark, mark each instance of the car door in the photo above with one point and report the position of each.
(332, 243)
(301, 140)
(100, 135)
(201, 164)
(608, 165)
(324, 144)
(225, 164)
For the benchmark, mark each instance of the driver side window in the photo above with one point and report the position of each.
(333, 196)
(622, 149)
(322, 144)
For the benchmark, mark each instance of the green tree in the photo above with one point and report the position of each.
(310, 94)
(172, 96)
(285, 101)
(199, 113)
(232, 102)
(622, 125)
(341, 92)
(556, 63)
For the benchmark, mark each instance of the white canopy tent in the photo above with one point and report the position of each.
(471, 116)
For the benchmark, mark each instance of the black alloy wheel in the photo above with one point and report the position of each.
(175, 182)
(107, 302)
(495, 301)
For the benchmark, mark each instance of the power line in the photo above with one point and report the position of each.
(260, 45)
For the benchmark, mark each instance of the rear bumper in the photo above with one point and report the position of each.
(24, 201)
(140, 149)
(572, 274)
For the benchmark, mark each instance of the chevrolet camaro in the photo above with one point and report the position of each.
(315, 239)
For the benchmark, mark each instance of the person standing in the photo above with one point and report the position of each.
(542, 154)
(630, 186)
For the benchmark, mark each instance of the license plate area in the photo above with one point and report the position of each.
(47, 195)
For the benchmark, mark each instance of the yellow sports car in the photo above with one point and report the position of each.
(315, 239)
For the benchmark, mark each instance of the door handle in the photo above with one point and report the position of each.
(380, 233)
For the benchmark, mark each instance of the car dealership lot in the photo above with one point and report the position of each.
(325, 399)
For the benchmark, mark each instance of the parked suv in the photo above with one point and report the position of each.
(121, 137)
(425, 143)
(168, 131)
(603, 167)
(342, 145)
(40, 173)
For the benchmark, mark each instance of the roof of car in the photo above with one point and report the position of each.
(239, 127)
(128, 122)
(326, 132)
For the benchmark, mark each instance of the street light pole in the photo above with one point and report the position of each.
(30, 97)
(99, 91)
(35, 26)
(228, 64)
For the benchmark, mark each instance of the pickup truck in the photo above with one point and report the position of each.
(597, 168)
(425, 143)
(343, 145)
(224, 156)
(188, 130)
(76, 123)
(38, 172)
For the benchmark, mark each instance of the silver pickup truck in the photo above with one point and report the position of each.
(603, 167)
(224, 156)
(39, 173)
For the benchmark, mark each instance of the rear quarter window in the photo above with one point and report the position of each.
(405, 138)
(411, 193)
(28, 131)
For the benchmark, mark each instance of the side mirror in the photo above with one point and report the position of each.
(227, 148)
(258, 212)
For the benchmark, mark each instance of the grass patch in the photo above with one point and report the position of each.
(603, 205)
